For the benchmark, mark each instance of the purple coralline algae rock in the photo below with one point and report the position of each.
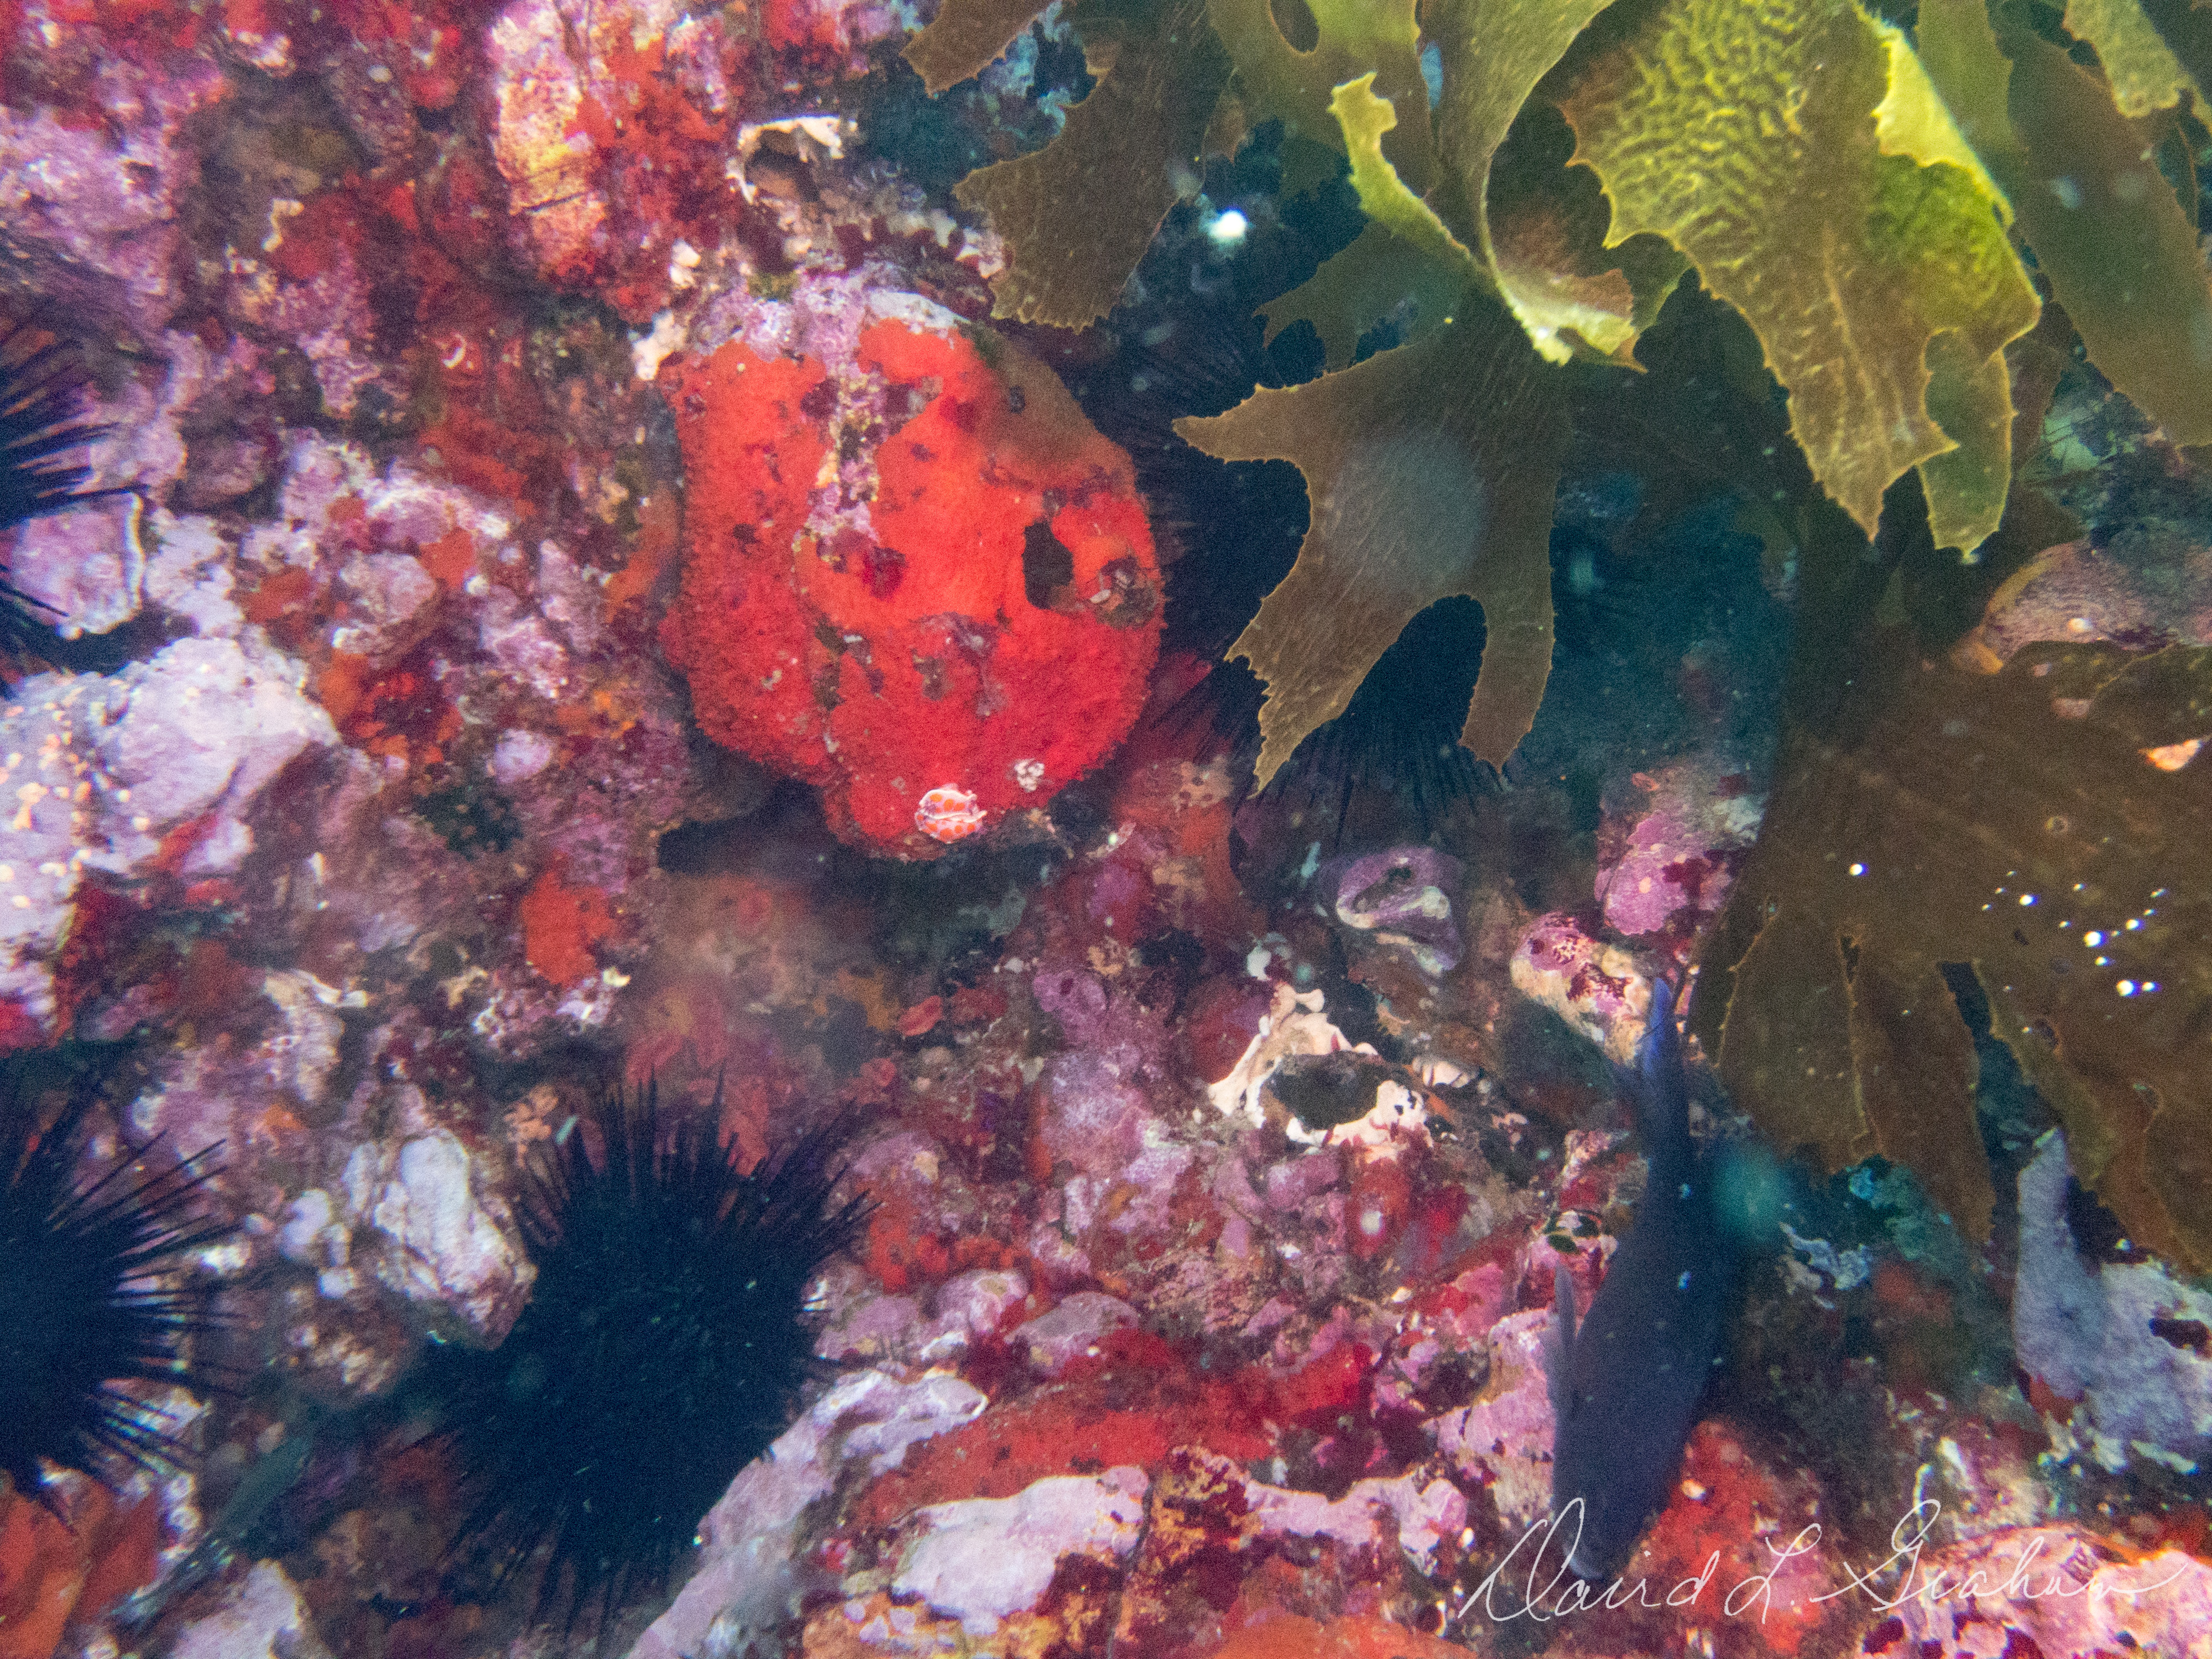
(1424, 1513)
(89, 212)
(748, 1581)
(1504, 1441)
(1594, 984)
(260, 1617)
(982, 1560)
(2125, 1340)
(2056, 1590)
(1403, 899)
(1074, 1328)
(1096, 1112)
(896, 1330)
(99, 565)
(100, 770)
(1682, 853)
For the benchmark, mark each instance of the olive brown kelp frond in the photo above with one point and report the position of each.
(2045, 825)
(1078, 215)
(2121, 253)
(1431, 470)
(963, 39)
(1853, 193)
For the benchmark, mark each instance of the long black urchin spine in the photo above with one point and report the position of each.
(91, 1301)
(663, 1347)
(40, 378)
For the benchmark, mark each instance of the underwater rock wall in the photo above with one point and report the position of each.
(620, 569)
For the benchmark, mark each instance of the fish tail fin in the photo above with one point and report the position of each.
(1559, 1340)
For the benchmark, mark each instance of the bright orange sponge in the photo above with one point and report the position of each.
(927, 585)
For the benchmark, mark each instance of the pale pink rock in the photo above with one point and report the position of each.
(88, 209)
(2059, 1591)
(1682, 853)
(1504, 1438)
(327, 316)
(748, 1580)
(445, 1241)
(1424, 1513)
(100, 769)
(2118, 1338)
(1053, 1341)
(260, 1617)
(981, 1560)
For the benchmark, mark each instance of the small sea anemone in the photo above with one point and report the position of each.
(662, 1348)
(89, 1299)
(39, 379)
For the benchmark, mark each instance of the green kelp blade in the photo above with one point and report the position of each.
(2141, 68)
(1431, 470)
(1366, 121)
(1747, 136)
(1355, 37)
(2044, 825)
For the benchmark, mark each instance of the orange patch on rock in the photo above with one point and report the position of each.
(560, 926)
(451, 558)
(1356, 1636)
(51, 1574)
(1132, 1404)
(657, 521)
(1748, 1516)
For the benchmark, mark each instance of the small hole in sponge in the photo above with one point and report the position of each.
(1047, 567)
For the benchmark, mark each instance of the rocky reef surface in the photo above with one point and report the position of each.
(595, 585)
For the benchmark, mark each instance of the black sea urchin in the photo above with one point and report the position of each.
(662, 1350)
(38, 381)
(86, 1301)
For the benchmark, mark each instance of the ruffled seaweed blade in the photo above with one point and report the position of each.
(38, 407)
(663, 1349)
(87, 1306)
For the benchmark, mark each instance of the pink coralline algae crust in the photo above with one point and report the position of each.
(386, 840)
(89, 207)
(979, 1559)
(1680, 855)
(609, 127)
(1595, 986)
(1402, 900)
(2060, 1591)
(2122, 1345)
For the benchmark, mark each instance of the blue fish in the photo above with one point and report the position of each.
(1625, 1387)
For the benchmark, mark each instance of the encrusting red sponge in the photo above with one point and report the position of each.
(926, 585)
